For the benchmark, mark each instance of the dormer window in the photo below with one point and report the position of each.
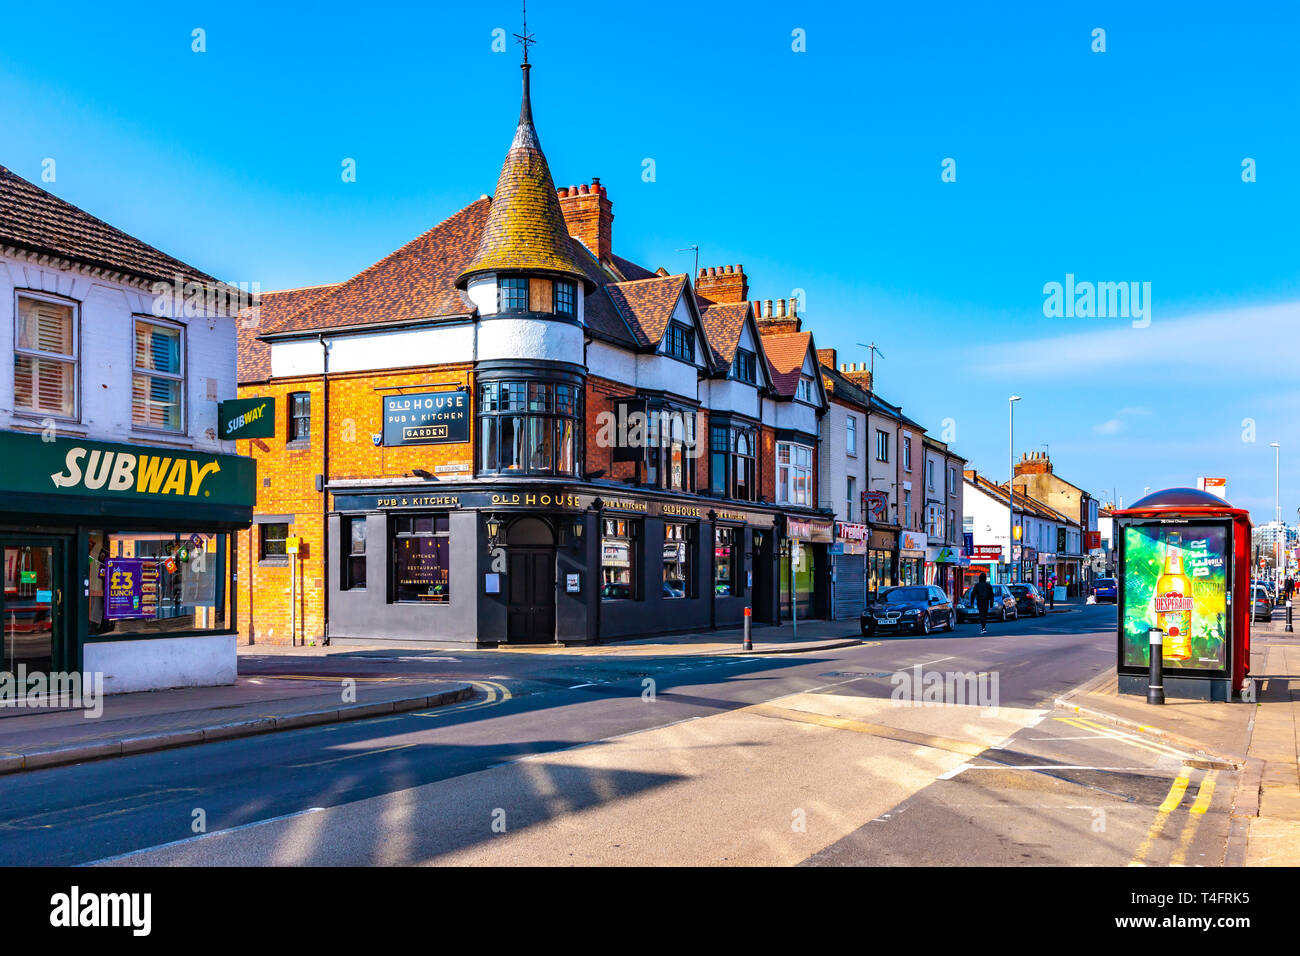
(512, 295)
(745, 367)
(805, 392)
(566, 299)
(681, 342)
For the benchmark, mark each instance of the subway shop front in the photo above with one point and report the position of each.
(118, 560)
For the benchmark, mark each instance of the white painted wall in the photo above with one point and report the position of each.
(376, 350)
(531, 339)
(198, 661)
(106, 343)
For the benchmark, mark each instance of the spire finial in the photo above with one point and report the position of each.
(525, 38)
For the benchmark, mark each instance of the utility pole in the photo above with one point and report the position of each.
(1011, 486)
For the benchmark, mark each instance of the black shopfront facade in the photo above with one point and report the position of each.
(484, 563)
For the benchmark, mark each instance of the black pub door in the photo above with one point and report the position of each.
(530, 582)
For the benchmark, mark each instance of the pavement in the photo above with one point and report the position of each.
(1259, 739)
(31, 739)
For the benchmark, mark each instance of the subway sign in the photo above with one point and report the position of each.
(246, 418)
(77, 467)
(427, 418)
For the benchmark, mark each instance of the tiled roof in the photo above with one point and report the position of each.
(786, 353)
(723, 323)
(525, 228)
(37, 221)
(254, 355)
(647, 305)
(415, 282)
(1022, 502)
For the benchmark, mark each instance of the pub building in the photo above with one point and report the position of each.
(120, 504)
(506, 432)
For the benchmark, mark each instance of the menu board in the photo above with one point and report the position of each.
(131, 590)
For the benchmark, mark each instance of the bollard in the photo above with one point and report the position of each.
(1156, 683)
(1289, 628)
(749, 643)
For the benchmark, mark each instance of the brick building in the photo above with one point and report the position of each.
(506, 432)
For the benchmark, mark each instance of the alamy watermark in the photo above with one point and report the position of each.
(922, 688)
(72, 689)
(1101, 300)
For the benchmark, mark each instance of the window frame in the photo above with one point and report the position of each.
(851, 436)
(633, 533)
(537, 415)
(350, 581)
(291, 435)
(512, 283)
(266, 557)
(882, 445)
(182, 377)
(687, 538)
(745, 361)
(735, 537)
(396, 534)
(569, 290)
(679, 342)
(794, 471)
(74, 359)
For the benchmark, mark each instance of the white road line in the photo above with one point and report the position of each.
(203, 836)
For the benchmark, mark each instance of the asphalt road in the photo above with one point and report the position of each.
(561, 758)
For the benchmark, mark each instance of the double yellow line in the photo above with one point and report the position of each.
(494, 693)
(1173, 800)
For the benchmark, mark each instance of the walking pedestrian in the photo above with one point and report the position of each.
(982, 595)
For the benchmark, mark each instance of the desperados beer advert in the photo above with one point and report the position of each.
(1176, 579)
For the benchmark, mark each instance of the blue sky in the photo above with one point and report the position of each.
(818, 170)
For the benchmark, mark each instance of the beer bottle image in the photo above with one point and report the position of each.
(1173, 601)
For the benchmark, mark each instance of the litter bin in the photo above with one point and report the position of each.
(1184, 567)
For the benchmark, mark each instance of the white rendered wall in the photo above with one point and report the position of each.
(377, 350)
(105, 346)
(156, 664)
(529, 339)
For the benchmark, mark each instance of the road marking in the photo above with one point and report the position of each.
(1175, 796)
(1054, 766)
(363, 753)
(1110, 733)
(1204, 795)
(202, 836)
(331, 678)
(494, 694)
(875, 730)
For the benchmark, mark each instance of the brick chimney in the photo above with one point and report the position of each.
(857, 373)
(590, 217)
(826, 357)
(776, 317)
(722, 284)
(1034, 463)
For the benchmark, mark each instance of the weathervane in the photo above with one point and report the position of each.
(525, 38)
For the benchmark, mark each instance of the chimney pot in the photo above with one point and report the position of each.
(780, 308)
(595, 181)
(703, 273)
(794, 306)
(584, 189)
(767, 308)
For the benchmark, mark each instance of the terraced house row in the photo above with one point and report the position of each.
(506, 432)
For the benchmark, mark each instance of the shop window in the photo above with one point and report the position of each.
(299, 428)
(421, 566)
(725, 563)
(793, 474)
(271, 542)
(530, 427)
(159, 582)
(158, 377)
(618, 559)
(45, 358)
(354, 566)
(677, 560)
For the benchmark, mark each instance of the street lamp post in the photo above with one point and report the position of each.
(1277, 504)
(1011, 486)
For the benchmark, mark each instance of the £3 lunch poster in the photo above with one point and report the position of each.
(1176, 579)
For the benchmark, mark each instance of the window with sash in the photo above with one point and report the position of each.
(158, 376)
(530, 427)
(794, 474)
(46, 362)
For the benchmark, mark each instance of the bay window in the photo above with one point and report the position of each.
(530, 427)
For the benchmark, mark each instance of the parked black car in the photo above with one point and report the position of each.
(917, 608)
(1029, 600)
(1003, 608)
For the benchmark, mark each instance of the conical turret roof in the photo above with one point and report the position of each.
(525, 229)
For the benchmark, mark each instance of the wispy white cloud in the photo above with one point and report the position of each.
(1226, 343)
(1109, 427)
